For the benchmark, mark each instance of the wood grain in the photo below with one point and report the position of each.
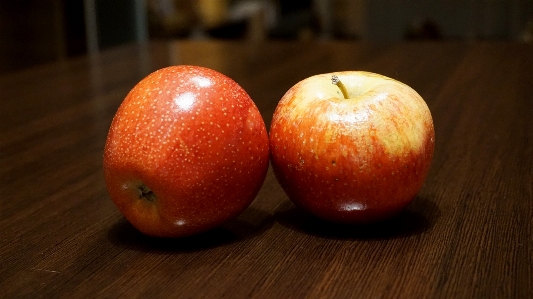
(468, 234)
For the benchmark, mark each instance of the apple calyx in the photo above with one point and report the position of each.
(336, 81)
(146, 193)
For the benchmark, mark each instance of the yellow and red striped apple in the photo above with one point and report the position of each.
(352, 147)
(187, 151)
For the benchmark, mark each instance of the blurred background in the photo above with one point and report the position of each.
(34, 32)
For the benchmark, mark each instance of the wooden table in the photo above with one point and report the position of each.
(468, 234)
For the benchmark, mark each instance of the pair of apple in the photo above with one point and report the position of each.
(188, 149)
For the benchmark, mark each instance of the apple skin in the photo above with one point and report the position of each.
(186, 152)
(357, 160)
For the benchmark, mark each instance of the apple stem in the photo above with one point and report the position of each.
(335, 80)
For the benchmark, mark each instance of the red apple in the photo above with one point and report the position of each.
(187, 151)
(355, 151)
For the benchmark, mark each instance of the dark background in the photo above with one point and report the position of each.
(34, 32)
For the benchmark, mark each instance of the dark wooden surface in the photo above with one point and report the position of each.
(469, 233)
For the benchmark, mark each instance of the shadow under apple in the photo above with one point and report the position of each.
(250, 223)
(420, 216)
